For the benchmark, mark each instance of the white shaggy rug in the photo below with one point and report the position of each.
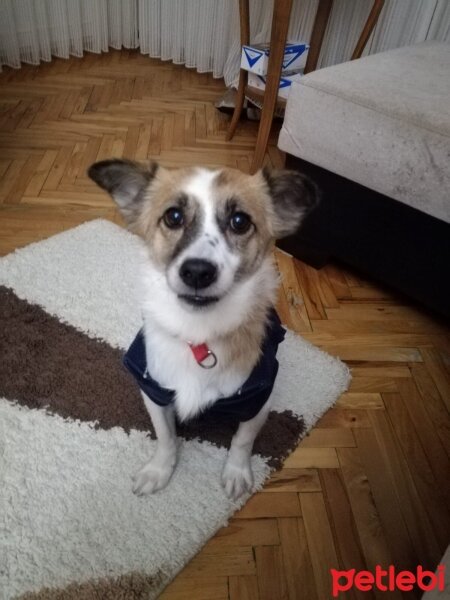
(68, 519)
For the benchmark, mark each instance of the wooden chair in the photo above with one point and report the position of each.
(269, 98)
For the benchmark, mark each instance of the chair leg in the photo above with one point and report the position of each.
(372, 20)
(280, 25)
(244, 19)
(318, 33)
(240, 97)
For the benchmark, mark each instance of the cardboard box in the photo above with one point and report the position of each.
(259, 82)
(256, 58)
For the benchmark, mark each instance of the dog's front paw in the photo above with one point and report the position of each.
(237, 479)
(151, 478)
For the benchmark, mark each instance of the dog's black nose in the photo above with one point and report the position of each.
(198, 273)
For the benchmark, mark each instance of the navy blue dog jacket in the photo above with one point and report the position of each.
(245, 403)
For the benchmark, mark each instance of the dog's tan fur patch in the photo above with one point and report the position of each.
(244, 344)
(249, 194)
(163, 192)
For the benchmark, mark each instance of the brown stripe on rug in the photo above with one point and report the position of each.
(133, 586)
(47, 364)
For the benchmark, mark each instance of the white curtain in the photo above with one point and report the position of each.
(203, 34)
(191, 32)
(34, 30)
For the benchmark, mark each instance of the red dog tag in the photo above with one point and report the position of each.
(201, 353)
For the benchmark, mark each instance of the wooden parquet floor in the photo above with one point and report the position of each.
(370, 485)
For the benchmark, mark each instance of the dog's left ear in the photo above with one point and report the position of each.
(293, 196)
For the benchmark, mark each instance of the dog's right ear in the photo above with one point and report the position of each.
(293, 196)
(125, 181)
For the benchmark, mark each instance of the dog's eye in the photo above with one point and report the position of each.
(173, 218)
(240, 222)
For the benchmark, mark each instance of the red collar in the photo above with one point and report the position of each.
(201, 354)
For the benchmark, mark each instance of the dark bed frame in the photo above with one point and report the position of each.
(381, 237)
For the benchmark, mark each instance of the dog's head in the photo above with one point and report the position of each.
(206, 230)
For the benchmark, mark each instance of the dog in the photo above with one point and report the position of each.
(209, 287)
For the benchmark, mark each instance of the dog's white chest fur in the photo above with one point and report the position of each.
(170, 361)
(168, 331)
